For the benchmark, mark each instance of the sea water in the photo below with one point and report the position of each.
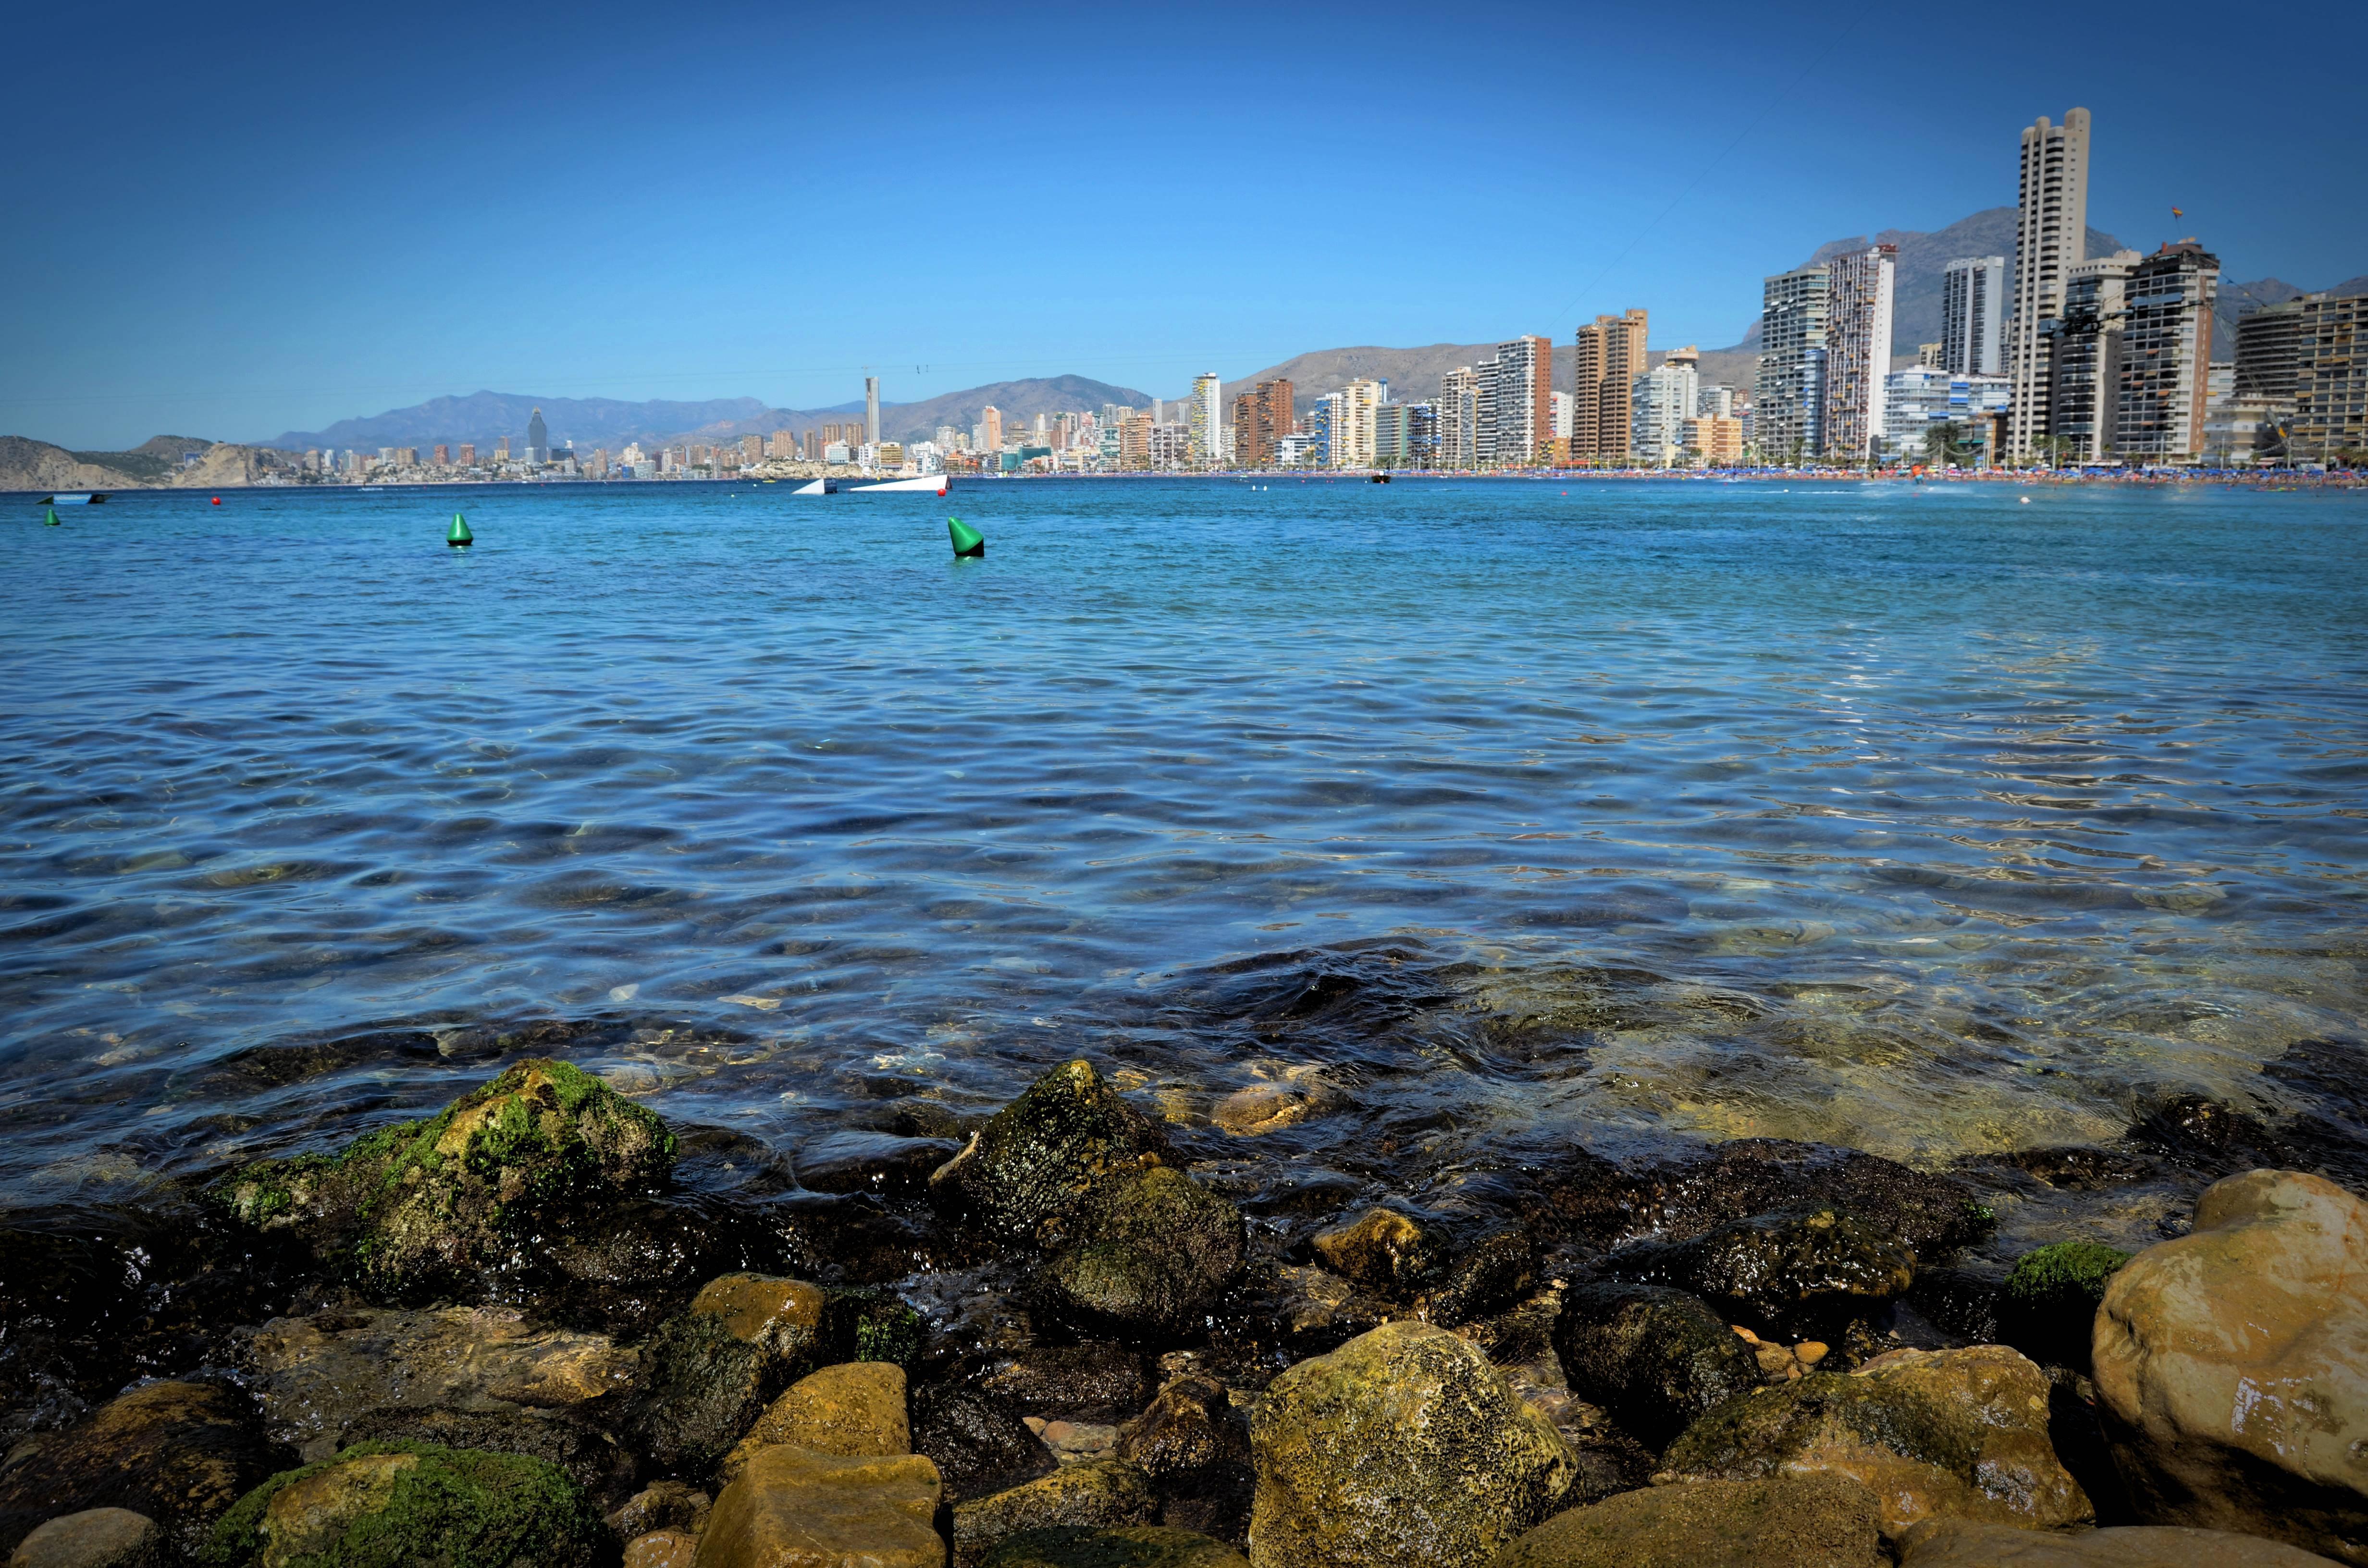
(1512, 815)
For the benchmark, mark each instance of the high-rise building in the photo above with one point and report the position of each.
(1351, 443)
(1788, 396)
(1517, 401)
(1922, 397)
(1561, 416)
(1459, 418)
(1610, 357)
(1716, 438)
(1261, 418)
(1662, 401)
(502, 450)
(2330, 396)
(2084, 355)
(752, 451)
(537, 439)
(1973, 315)
(1931, 356)
(468, 455)
(443, 458)
(2165, 387)
(1203, 422)
(1391, 437)
(1422, 434)
(872, 410)
(785, 444)
(2051, 238)
(1858, 349)
(1134, 439)
(990, 419)
(2268, 350)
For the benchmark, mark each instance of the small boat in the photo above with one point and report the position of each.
(930, 483)
(91, 498)
(1380, 479)
(818, 487)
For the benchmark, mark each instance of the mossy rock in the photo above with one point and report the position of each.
(2048, 1306)
(1161, 1249)
(404, 1505)
(426, 1206)
(1031, 1169)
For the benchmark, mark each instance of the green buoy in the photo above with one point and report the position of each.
(967, 539)
(52, 520)
(458, 536)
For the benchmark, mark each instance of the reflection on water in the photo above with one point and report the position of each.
(1453, 821)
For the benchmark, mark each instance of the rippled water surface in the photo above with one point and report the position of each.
(1924, 820)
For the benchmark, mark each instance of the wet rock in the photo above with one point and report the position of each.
(863, 1324)
(1654, 1357)
(1302, 1094)
(2076, 1169)
(435, 1205)
(661, 1549)
(1029, 1172)
(1961, 1543)
(1195, 1447)
(626, 1267)
(1132, 1546)
(1954, 1434)
(1403, 1446)
(1383, 1249)
(178, 1452)
(2048, 1306)
(781, 1319)
(1960, 1302)
(1496, 1272)
(590, 1457)
(2200, 1134)
(96, 1538)
(1070, 1383)
(855, 1410)
(1073, 1442)
(1808, 1270)
(1779, 1521)
(878, 1163)
(794, 1509)
(662, 1506)
(2233, 1367)
(701, 1390)
(979, 1446)
(1098, 1495)
(319, 1375)
(1314, 1310)
(1160, 1250)
(412, 1503)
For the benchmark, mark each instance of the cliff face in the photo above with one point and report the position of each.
(36, 465)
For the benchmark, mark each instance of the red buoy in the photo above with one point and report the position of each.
(217, 500)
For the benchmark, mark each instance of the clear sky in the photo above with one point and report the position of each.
(232, 223)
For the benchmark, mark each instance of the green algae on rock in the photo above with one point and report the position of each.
(426, 1205)
(1160, 1249)
(1031, 1168)
(2048, 1305)
(394, 1505)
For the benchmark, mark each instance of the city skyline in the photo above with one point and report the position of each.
(426, 215)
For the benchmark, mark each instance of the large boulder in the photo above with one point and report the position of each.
(1807, 1271)
(792, 1507)
(180, 1453)
(1403, 1446)
(95, 1537)
(1653, 1358)
(1025, 1176)
(430, 1207)
(591, 1456)
(1127, 1546)
(322, 1375)
(1096, 1495)
(1779, 1521)
(1158, 1249)
(2232, 1365)
(1955, 1434)
(411, 1502)
(1961, 1543)
(856, 1410)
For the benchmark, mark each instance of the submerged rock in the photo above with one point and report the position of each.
(96, 1538)
(390, 1503)
(1653, 1358)
(1030, 1170)
(1496, 1272)
(1130, 1546)
(429, 1206)
(1160, 1248)
(1952, 1434)
(1779, 1521)
(792, 1507)
(2233, 1367)
(1385, 1249)
(1810, 1270)
(1960, 1543)
(1403, 1446)
(180, 1453)
(1096, 1495)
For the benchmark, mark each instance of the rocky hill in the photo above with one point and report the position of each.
(156, 464)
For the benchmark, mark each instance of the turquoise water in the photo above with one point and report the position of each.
(1478, 817)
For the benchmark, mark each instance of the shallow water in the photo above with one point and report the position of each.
(1493, 816)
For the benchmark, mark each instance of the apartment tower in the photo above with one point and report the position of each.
(2085, 355)
(2331, 380)
(1204, 440)
(1524, 422)
(2051, 238)
(1973, 315)
(872, 409)
(1610, 357)
(1858, 349)
(2164, 383)
(1788, 396)
(1459, 418)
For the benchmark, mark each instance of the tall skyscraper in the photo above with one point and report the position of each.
(1204, 441)
(1973, 314)
(1459, 418)
(990, 419)
(872, 409)
(2330, 388)
(1664, 399)
(1261, 418)
(1610, 357)
(1519, 418)
(1858, 349)
(2085, 355)
(537, 439)
(2165, 388)
(2051, 238)
(1787, 397)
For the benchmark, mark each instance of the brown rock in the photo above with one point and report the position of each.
(180, 1453)
(662, 1506)
(1780, 1521)
(661, 1549)
(1384, 1249)
(1961, 1543)
(96, 1538)
(855, 1410)
(2232, 1365)
(1959, 1434)
(1189, 1430)
(794, 1509)
(783, 1318)
(1098, 1494)
(1131, 1546)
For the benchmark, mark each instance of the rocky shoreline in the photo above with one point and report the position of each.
(1052, 1337)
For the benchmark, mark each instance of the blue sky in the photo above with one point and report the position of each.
(274, 217)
